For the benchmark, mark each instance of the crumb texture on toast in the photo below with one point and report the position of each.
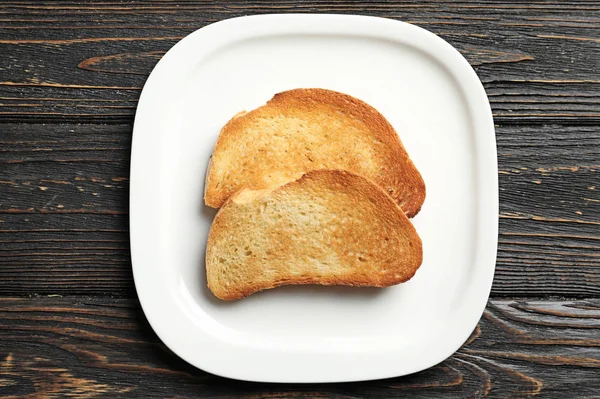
(330, 227)
(302, 130)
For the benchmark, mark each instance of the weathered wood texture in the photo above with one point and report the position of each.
(70, 77)
(539, 61)
(91, 347)
(64, 205)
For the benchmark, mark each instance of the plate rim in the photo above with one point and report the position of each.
(486, 194)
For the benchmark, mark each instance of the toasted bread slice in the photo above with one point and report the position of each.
(308, 129)
(329, 227)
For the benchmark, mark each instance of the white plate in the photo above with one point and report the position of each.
(433, 98)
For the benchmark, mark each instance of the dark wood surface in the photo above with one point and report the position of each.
(70, 77)
(102, 347)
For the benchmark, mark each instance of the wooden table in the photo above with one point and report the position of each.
(70, 77)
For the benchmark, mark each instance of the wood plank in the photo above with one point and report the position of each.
(64, 168)
(64, 210)
(88, 62)
(102, 347)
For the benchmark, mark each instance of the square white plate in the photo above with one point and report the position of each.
(433, 98)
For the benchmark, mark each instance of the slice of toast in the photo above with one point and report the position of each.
(330, 227)
(308, 129)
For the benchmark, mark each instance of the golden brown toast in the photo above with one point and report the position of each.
(329, 227)
(309, 129)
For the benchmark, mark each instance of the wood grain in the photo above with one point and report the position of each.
(88, 62)
(70, 77)
(102, 347)
(64, 210)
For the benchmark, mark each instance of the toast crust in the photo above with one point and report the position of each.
(309, 129)
(329, 227)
